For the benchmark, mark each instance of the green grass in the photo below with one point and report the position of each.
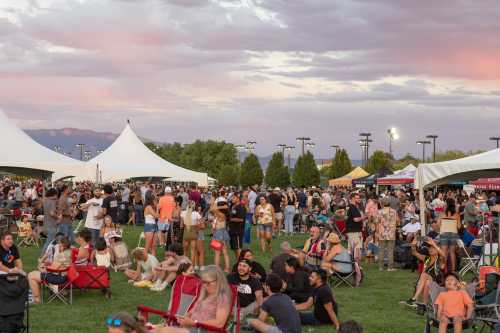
(374, 304)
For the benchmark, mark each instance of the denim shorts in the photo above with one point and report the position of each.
(221, 235)
(149, 227)
(201, 235)
(265, 227)
(448, 239)
(163, 227)
(53, 278)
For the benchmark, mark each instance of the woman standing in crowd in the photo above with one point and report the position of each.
(221, 236)
(190, 220)
(290, 207)
(449, 225)
(265, 218)
(150, 226)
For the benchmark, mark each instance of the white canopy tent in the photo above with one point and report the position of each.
(21, 155)
(484, 165)
(128, 157)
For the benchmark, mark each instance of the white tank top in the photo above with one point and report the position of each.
(149, 219)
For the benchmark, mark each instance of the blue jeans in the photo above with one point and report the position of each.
(308, 319)
(51, 235)
(248, 228)
(289, 215)
(67, 230)
(96, 233)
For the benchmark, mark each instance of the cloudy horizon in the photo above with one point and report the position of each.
(263, 70)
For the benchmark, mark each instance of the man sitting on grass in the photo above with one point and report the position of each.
(280, 307)
(249, 288)
(325, 307)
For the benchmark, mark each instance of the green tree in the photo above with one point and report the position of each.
(405, 161)
(306, 171)
(228, 175)
(379, 160)
(277, 173)
(251, 171)
(341, 164)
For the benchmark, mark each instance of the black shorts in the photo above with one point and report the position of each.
(53, 278)
(236, 239)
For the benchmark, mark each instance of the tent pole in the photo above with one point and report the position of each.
(421, 199)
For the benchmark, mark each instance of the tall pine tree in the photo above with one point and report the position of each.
(306, 171)
(341, 164)
(277, 173)
(251, 171)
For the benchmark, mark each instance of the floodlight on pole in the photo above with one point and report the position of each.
(282, 146)
(433, 137)
(239, 148)
(366, 138)
(251, 146)
(310, 145)
(393, 136)
(289, 150)
(336, 147)
(423, 143)
(497, 139)
(303, 140)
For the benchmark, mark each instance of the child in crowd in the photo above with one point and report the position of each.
(26, 232)
(453, 305)
(103, 255)
(143, 276)
(166, 272)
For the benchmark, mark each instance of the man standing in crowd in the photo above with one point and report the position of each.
(93, 208)
(387, 221)
(252, 201)
(195, 196)
(184, 196)
(166, 205)
(50, 216)
(470, 212)
(65, 213)
(354, 225)
(250, 294)
(236, 224)
(10, 261)
(325, 307)
(109, 204)
(276, 200)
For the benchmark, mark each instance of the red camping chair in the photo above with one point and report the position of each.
(62, 292)
(182, 299)
(91, 276)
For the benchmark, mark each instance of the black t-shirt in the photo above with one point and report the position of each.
(323, 295)
(246, 288)
(275, 200)
(352, 213)
(239, 212)
(278, 265)
(282, 309)
(9, 257)
(111, 205)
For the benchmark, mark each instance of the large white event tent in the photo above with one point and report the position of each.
(21, 155)
(484, 165)
(129, 158)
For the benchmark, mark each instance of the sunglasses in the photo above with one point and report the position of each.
(208, 282)
(114, 322)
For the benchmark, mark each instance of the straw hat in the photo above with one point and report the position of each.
(333, 238)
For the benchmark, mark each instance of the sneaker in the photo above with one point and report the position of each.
(131, 281)
(411, 302)
(160, 287)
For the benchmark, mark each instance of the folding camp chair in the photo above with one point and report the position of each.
(349, 279)
(487, 310)
(468, 263)
(63, 291)
(431, 314)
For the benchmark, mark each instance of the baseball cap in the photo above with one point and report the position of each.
(168, 189)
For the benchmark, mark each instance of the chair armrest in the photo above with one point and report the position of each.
(147, 310)
(211, 328)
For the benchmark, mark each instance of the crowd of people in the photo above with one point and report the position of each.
(344, 225)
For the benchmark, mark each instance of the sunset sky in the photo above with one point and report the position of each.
(263, 70)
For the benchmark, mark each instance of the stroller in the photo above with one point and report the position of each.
(431, 315)
(14, 291)
(184, 295)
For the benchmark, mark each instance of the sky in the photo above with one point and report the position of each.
(259, 70)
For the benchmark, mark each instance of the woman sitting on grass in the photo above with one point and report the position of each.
(143, 275)
(212, 307)
(61, 261)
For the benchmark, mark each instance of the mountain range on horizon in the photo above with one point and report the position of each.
(65, 140)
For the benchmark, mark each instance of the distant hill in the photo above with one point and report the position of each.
(68, 138)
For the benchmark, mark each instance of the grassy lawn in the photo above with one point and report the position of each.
(374, 304)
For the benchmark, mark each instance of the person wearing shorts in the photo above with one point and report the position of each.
(265, 218)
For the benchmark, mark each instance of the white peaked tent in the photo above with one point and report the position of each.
(21, 155)
(129, 158)
(484, 165)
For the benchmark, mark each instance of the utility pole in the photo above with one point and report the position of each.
(303, 140)
(423, 143)
(289, 149)
(433, 137)
(282, 146)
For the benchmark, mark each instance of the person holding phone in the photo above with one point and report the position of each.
(449, 224)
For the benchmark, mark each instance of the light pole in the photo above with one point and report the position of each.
(303, 139)
(423, 143)
(239, 148)
(310, 145)
(81, 146)
(289, 149)
(366, 139)
(393, 135)
(87, 155)
(497, 139)
(433, 137)
(282, 146)
(251, 146)
(57, 148)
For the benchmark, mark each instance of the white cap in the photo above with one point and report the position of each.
(277, 189)
(168, 189)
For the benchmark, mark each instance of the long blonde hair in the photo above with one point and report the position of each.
(222, 290)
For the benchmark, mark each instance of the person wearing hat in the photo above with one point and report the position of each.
(250, 294)
(276, 199)
(337, 258)
(166, 206)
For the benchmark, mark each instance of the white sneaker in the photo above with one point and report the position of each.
(159, 287)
